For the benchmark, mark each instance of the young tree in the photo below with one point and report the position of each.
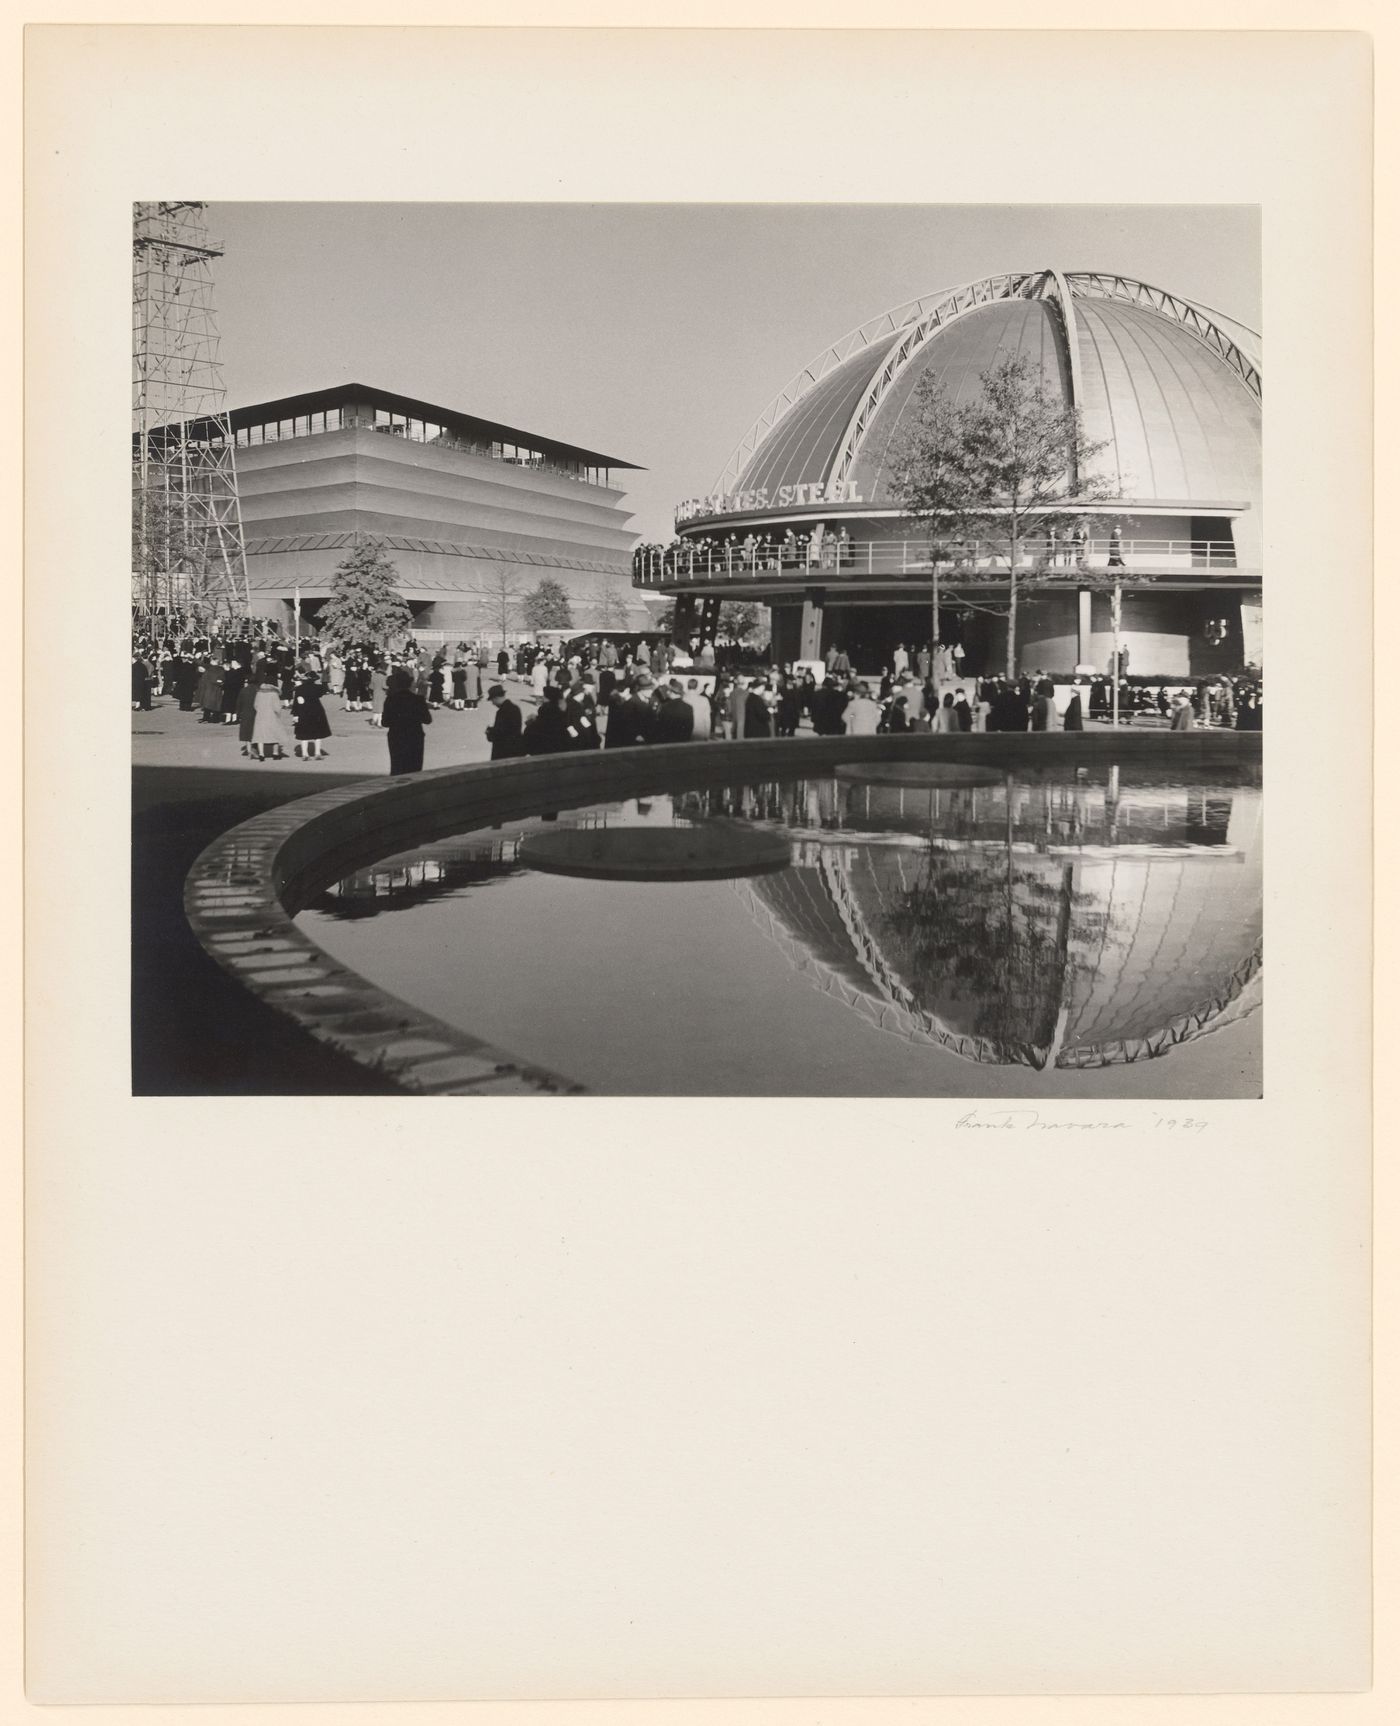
(365, 609)
(547, 607)
(1007, 467)
(502, 596)
(609, 606)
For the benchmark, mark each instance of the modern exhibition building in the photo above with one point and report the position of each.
(803, 518)
(473, 515)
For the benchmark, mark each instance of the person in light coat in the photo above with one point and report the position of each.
(863, 714)
(1183, 719)
(270, 732)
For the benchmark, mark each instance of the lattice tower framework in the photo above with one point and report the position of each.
(187, 527)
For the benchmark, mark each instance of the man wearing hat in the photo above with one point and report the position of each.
(580, 717)
(505, 731)
(632, 718)
(675, 718)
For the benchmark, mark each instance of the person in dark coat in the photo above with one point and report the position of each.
(235, 676)
(758, 721)
(404, 715)
(828, 704)
(675, 717)
(183, 676)
(309, 722)
(546, 731)
(502, 663)
(1018, 707)
(140, 685)
(459, 686)
(247, 712)
(789, 708)
(632, 718)
(505, 732)
(963, 708)
(1074, 713)
(209, 693)
(896, 717)
(1249, 714)
(581, 718)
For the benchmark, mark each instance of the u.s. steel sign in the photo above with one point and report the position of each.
(784, 497)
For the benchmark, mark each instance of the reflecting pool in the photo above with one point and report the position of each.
(941, 931)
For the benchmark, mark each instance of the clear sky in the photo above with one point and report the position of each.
(651, 332)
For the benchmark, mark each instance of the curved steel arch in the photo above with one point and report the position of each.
(1029, 284)
(1198, 320)
(863, 336)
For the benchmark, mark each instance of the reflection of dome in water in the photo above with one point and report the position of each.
(1040, 960)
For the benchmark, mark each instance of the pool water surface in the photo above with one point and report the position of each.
(936, 931)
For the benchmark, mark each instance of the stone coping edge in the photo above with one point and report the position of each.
(245, 889)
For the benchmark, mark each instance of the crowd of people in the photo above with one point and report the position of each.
(580, 711)
(733, 554)
(276, 694)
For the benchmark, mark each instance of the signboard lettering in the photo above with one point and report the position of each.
(786, 497)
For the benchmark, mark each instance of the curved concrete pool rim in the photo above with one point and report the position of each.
(246, 888)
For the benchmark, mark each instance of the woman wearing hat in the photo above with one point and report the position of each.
(404, 715)
(310, 723)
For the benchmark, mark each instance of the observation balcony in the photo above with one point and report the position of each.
(773, 562)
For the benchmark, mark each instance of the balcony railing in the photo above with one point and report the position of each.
(658, 566)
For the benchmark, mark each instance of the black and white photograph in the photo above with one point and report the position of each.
(647, 1086)
(703, 671)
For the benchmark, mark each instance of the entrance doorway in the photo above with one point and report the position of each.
(870, 634)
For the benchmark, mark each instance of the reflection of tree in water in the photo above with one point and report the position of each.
(997, 940)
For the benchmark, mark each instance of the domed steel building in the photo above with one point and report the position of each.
(803, 517)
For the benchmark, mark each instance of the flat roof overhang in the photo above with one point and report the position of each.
(319, 401)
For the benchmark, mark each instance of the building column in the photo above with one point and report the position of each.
(1252, 628)
(813, 607)
(687, 619)
(1085, 649)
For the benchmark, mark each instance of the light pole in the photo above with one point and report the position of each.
(1117, 611)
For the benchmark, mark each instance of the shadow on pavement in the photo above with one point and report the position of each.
(194, 1031)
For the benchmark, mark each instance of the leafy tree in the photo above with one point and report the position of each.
(741, 621)
(365, 609)
(547, 607)
(1006, 467)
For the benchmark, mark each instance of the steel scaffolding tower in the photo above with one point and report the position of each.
(187, 528)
